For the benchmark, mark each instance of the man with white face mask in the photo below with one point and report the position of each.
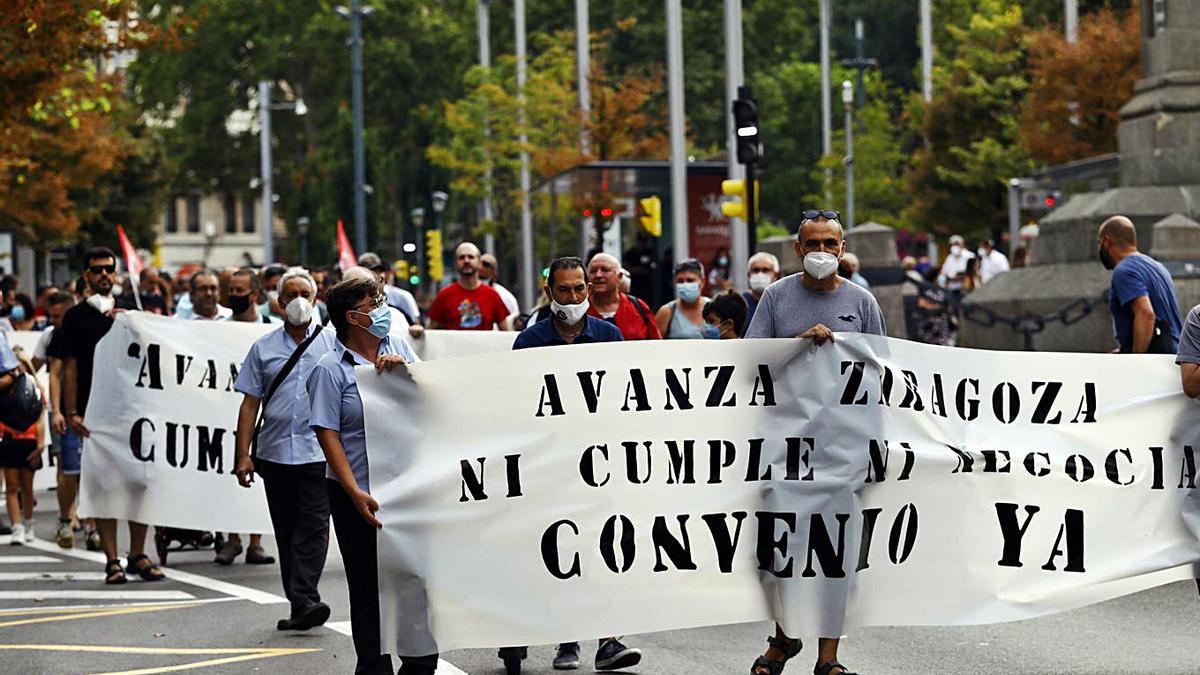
(954, 267)
(567, 289)
(814, 304)
(764, 270)
(287, 455)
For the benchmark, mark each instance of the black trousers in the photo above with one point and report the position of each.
(299, 506)
(357, 542)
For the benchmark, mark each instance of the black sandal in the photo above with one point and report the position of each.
(113, 575)
(148, 571)
(790, 648)
(827, 668)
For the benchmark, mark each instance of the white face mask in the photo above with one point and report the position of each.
(955, 249)
(101, 303)
(298, 311)
(273, 296)
(759, 281)
(569, 314)
(117, 290)
(820, 265)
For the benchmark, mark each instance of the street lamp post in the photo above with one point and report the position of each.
(848, 102)
(264, 143)
(438, 201)
(417, 216)
(355, 13)
(302, 226)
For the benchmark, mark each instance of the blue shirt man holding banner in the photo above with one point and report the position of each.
(359, 313)
(568, 290)
(285, 451)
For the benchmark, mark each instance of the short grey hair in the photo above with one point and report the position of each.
(298, 273)
(768, 257)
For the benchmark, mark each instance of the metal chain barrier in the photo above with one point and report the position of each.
(1029, 324)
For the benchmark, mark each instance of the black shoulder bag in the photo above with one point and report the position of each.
(279, 378)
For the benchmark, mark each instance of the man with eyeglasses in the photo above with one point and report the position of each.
(468, 304)
(629, 314)
(813, 304)
(75, 343)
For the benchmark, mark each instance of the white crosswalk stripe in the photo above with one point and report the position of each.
(95, 595)
(28, 560)
(51, 576)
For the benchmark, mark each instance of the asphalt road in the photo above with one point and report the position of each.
(57, 616)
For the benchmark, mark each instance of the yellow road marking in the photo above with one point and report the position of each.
(60, 615)
(235, 654)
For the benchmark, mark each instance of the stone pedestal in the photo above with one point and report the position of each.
(1159, 141)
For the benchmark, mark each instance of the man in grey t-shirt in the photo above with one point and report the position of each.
(814, 304)
(1188, 356)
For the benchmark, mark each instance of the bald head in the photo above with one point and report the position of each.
(1120, 230)
(604, 273)
(466, 261)
(819, 221)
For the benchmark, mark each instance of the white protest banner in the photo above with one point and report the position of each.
(162, 415)
(444, 344)
(609, 489)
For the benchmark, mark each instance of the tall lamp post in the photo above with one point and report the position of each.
(302, 225)
(438, 201)
(355, 13)
(848, 103)
(264, 143)
(417, 216)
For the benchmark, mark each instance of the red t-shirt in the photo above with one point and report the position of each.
(636, 322)
(457, 308)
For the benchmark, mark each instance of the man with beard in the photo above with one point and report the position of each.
(629, 314)
(1144, 308)
(75, 343)
(468, 304)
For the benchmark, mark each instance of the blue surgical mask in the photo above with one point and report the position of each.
(381, 321)
(688, 292)
(710, 332)
(18, 313)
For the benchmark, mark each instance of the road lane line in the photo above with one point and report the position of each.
(27, 559)
(25, 611)
(237, 590)
(68, 615)
(444, 666)
(51, 576)
(236, 655)
(95, 595)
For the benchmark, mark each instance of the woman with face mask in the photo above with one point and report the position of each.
(682, 318)
(360, 315)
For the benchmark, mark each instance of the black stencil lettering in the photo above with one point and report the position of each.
(1045, 403)
(471, 481)
(590, 388)
(210, 449)
(719, 386)
(631, 462)
(868, 533)
(904, 534)
(637, 390)
(681, 392)
(853, 383)
(769, 543)
(682, 468)
(912, 396)
(172, 457)
(512, 467)
(1072, 531)
(820, 544)
(1113, 471)
(1087, 405)
(1012, 532)
(550, 397)
(721, 455)
(151, 365)
(608, 549)
(799, 451)
(1079, 468)
(725, 543)
(967, 408)
(678, 550)
(1032, 467)
(764, 386)
(135, 440)
(754, 461)
(587, 465)
(937, 397)
(550, 557)
(992, 461)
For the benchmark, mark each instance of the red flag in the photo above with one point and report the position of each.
(346, 257)
(133, 263)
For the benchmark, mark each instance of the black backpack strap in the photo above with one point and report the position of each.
(643, 311)
(279, 378)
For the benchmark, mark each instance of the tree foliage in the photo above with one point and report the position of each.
(1076, 90)
(969, 131)
(63, 119)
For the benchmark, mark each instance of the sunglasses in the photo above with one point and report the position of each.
(487, 264)
(102, 269)
(813, 214)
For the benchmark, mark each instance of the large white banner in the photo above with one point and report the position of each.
(163, 413)
(601, 490)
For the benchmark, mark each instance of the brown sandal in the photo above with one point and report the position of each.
(141, 565)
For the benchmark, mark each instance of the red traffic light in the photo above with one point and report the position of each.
(1050, 201)
(606, 212)
(587, 213)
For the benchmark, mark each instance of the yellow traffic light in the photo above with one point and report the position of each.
(651, 218)
(433, 254)
(736, 207)
(401, 269)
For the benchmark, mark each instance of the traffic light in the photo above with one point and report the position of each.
(737, 206)
(414, 276)
(745, 125)
(651, 216)
(401, 268)
(433, 254)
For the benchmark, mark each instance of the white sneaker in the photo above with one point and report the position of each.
(18, 534)
(29, 530)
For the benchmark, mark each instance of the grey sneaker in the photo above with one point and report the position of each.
(612, 655)
(567, 656)
(229, 550)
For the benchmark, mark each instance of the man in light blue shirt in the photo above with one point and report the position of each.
(359, 313)
(287, 456)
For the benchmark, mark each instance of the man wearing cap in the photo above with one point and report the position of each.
(396, 297)
(954, 268)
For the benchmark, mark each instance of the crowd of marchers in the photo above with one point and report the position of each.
(300, 424)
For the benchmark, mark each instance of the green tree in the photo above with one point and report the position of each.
(970, 137)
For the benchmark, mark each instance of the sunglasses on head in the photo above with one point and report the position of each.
(813, 214)
(102, 269)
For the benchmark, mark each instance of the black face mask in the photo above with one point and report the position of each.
(239, 303)
(1106, 259)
